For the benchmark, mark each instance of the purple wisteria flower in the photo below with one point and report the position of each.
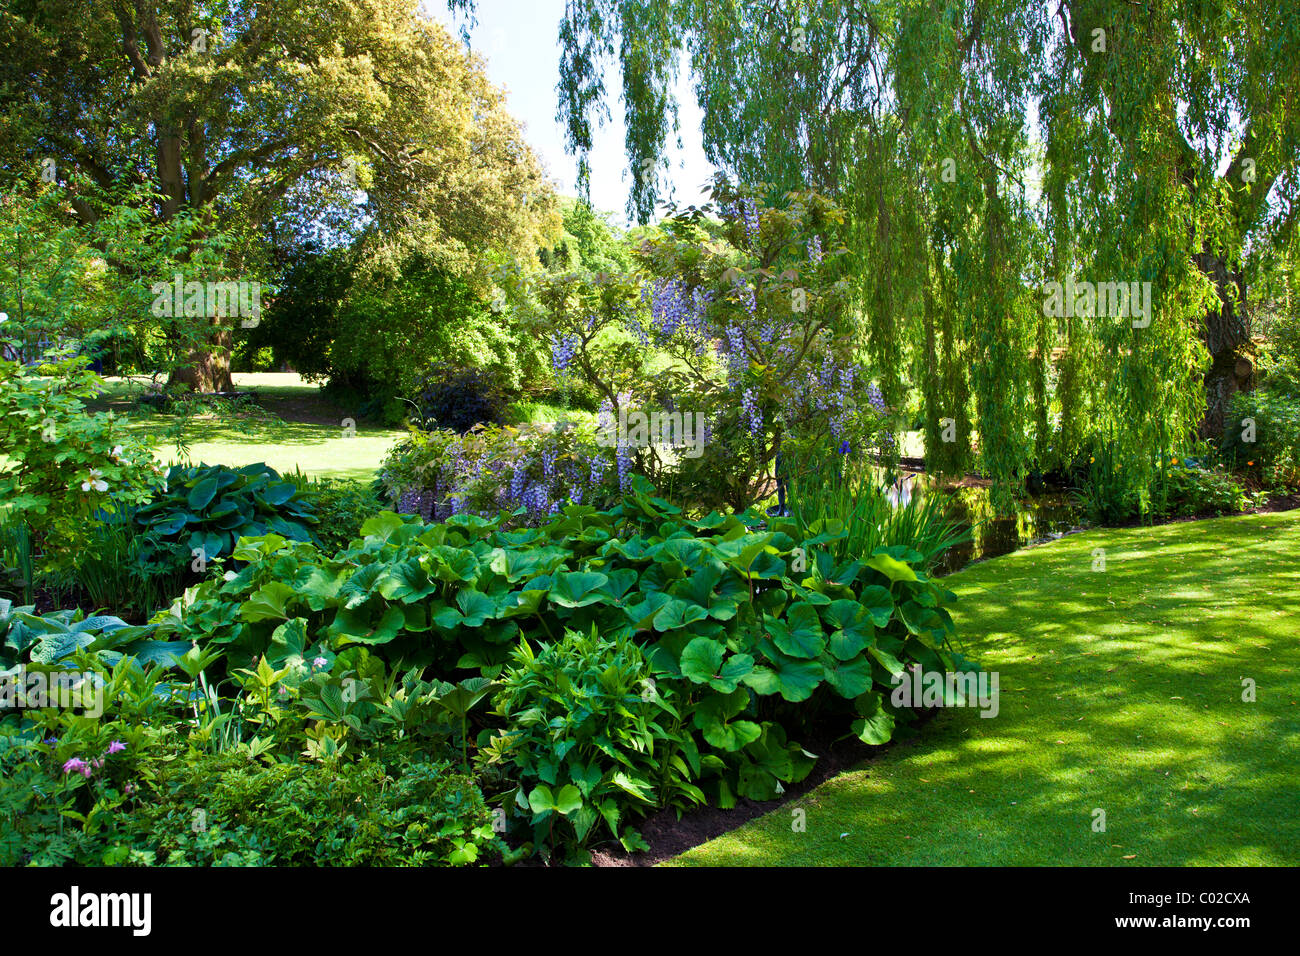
(675, 307)
(815, 249)
(624, 466)
(750, 211)
(752, 411)
(745, 292)
(563, 349)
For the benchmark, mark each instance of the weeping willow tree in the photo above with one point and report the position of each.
(985, 149)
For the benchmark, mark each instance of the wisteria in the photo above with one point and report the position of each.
(745, 292)
(563, 348)
(815, 249)
(752, 412)
(750, 211)
(877, 401)
(675, 307)
(624, 460)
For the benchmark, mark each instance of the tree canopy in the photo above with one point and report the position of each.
(253, 119)
(985, 149)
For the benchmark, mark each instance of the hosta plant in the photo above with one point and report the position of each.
(208, 508)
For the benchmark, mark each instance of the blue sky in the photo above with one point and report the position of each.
(517, 38)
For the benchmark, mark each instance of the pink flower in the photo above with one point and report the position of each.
(116, 747)
(318, 662)
(76, 765)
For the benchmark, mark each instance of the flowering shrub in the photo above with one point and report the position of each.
(744, 323)
(64, 464)
(536, 468)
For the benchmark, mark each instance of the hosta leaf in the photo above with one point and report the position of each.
(202, 493)
(277, 495)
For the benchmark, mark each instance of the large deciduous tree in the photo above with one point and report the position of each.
(238, 112)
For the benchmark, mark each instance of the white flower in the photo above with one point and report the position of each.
(116, 453)
(229, 576)
(95, 481)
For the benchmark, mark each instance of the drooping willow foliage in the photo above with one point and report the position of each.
(985, 148)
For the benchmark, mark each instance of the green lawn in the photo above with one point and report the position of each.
(1120, 690)
(309, 435)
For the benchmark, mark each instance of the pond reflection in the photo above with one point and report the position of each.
(1037, 519)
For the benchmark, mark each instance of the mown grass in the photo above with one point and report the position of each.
(306, 432)
(1120, 691)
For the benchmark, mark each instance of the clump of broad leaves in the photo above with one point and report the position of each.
(642, 659)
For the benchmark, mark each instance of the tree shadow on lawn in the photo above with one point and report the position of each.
(1120, 690)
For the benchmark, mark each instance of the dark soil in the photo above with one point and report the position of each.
(668, 836)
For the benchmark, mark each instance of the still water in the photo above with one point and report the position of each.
(1037, 519)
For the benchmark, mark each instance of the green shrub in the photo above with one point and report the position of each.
(63, 464)
(68, 779)
(209, 507)
(233, 810)
(341, 508)
(1274, 454)
(590, 739)
(460, 398)
(1190, 489)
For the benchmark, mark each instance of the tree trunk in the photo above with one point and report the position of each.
(1226, 336)
(207, 369)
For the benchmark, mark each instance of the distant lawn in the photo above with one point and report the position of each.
(1120, 690)
(309, 437)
